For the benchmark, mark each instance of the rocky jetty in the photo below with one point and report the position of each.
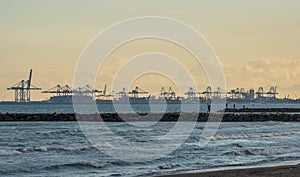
(229, 116)
(265, 110)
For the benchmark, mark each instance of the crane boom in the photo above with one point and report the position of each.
(29, 80)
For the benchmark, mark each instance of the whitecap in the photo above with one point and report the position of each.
(9, 153)
(247, 136)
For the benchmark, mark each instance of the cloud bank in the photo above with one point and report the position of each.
(266, 72)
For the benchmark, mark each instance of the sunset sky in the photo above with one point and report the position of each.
(257, 41)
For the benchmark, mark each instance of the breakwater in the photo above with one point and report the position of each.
(263, 110)
(171, 117)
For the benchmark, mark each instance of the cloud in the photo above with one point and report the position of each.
(278, 72)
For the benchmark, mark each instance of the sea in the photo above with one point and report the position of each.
(63, 149)
(123, 108)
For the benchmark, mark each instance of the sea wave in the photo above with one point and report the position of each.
(64, 148)
(79, 165)
(247, 136)
(9, 152)
(265, 152)
(272, 151)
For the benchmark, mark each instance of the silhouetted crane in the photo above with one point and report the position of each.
(192, 93)
(272, 93)
(207, 93)
(137, 91)
(22, 89)
(171, 93)
(163, 93)
(60, 91)
(68, 91)
(104, 93)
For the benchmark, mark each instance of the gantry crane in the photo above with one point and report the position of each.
(192, 93)
(170, 94)
(163, 93)
(122, 93)
(238, 93)
(137, 91)
(68, 91)
(22, 89)
(272, 93)
(104, 93)
(87, 90)
(60, 91)
(207, 93)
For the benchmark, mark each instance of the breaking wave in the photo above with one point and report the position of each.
(272, 151)
(64, 148)
(9, 153)
(79, 165)
(265, 152)
(262, 135)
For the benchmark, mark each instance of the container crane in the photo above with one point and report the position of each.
(137, 91)
(104, 93)
(272, 93)
(260, 93)
(171, 94)
(22, 89)
(86, 90)
(207, 93)
(163, 93)
(192, 93)
(60, 91)
(122, 93)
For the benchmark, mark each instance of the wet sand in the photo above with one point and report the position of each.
(276, 171)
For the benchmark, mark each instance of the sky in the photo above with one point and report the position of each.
(257, 41)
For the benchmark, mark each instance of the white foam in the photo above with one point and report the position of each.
(42, 149)
(65, 148)
(79, 148)
(247, 136)
(273, 151)
(9, 153)
(70, 148)
(98, 165)
(106, 144)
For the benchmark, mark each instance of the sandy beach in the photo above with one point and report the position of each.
(276, 171)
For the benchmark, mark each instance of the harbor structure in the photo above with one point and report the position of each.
(22, 89)
(65, 94)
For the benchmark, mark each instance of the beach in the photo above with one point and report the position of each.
(276, 171)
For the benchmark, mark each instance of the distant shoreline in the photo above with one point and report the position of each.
(167, 117)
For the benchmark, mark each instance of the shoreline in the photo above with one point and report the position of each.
(281, 170)
(167, 117)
